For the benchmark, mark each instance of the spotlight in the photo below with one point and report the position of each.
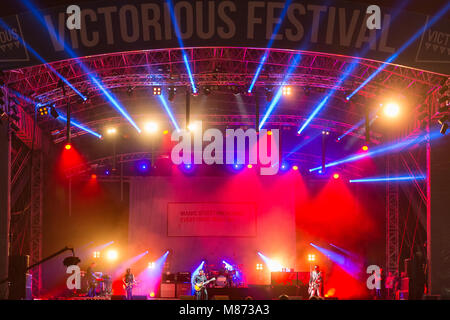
(68, 146)
(156, 91)
(206, 90)
(130, 91)
(287, 90)
(284, 166)
(249, 166)
(165, 131)
(43, 110)
(365, 148)
(194, 126)
(171, 93)
(111, 131)
(143, 166)
(269, 94)
(93, 176)
(152, 294)
(295, 168)
(269, 133)
(336, 176)
(112, 255)
(107, 172)
(151, 127)
(391, 110)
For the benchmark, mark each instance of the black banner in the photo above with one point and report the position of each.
(321, 26)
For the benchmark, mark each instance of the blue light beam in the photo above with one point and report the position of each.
(180, 42)
(80, 126)
(385, 179)
(402, 48)
(169, 113)
(269, 45)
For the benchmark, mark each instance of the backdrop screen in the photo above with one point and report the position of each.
(205, 219)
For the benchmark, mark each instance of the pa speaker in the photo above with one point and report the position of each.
(17, 274)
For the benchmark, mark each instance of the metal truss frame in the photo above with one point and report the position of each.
(220, 66)
(392, 216)
(36, 218)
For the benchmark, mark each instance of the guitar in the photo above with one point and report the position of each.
(315, 284)
(130, 285)
(199, 286)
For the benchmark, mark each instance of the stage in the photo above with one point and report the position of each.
(266, 149)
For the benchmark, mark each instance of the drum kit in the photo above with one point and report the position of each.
(103, 284)
(225, 278)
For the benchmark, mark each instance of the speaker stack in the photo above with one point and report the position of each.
(17, 275)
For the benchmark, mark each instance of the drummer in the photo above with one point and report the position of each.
(223, 271)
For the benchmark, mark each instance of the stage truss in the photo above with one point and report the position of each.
(212, 66)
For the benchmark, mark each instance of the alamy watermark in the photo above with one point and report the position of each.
(261, 147)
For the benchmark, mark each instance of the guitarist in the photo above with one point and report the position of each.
(199, 279)
(315, 283)
(129, 282)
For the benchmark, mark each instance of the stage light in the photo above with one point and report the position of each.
(151, 265)
(365, 148)
(269, 133)
(194, 126)
(112, 255)
(336, 176)
(287, 90)
(165, 131)
(96, 254)
(284, 166)
(107, 172)
(249, 166)
(269, 94)
(43, 110)
(171, 93)
(152, 294)
(295, 168)
(111, 131)
(151, 127)
(156, 91)
(391, 110)
(259, 266)
(311, 257)
(68, 146)
(93, 176)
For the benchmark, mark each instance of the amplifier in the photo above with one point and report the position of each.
(184, 277)
(168, 277)
(167, 290)
(183, 289)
